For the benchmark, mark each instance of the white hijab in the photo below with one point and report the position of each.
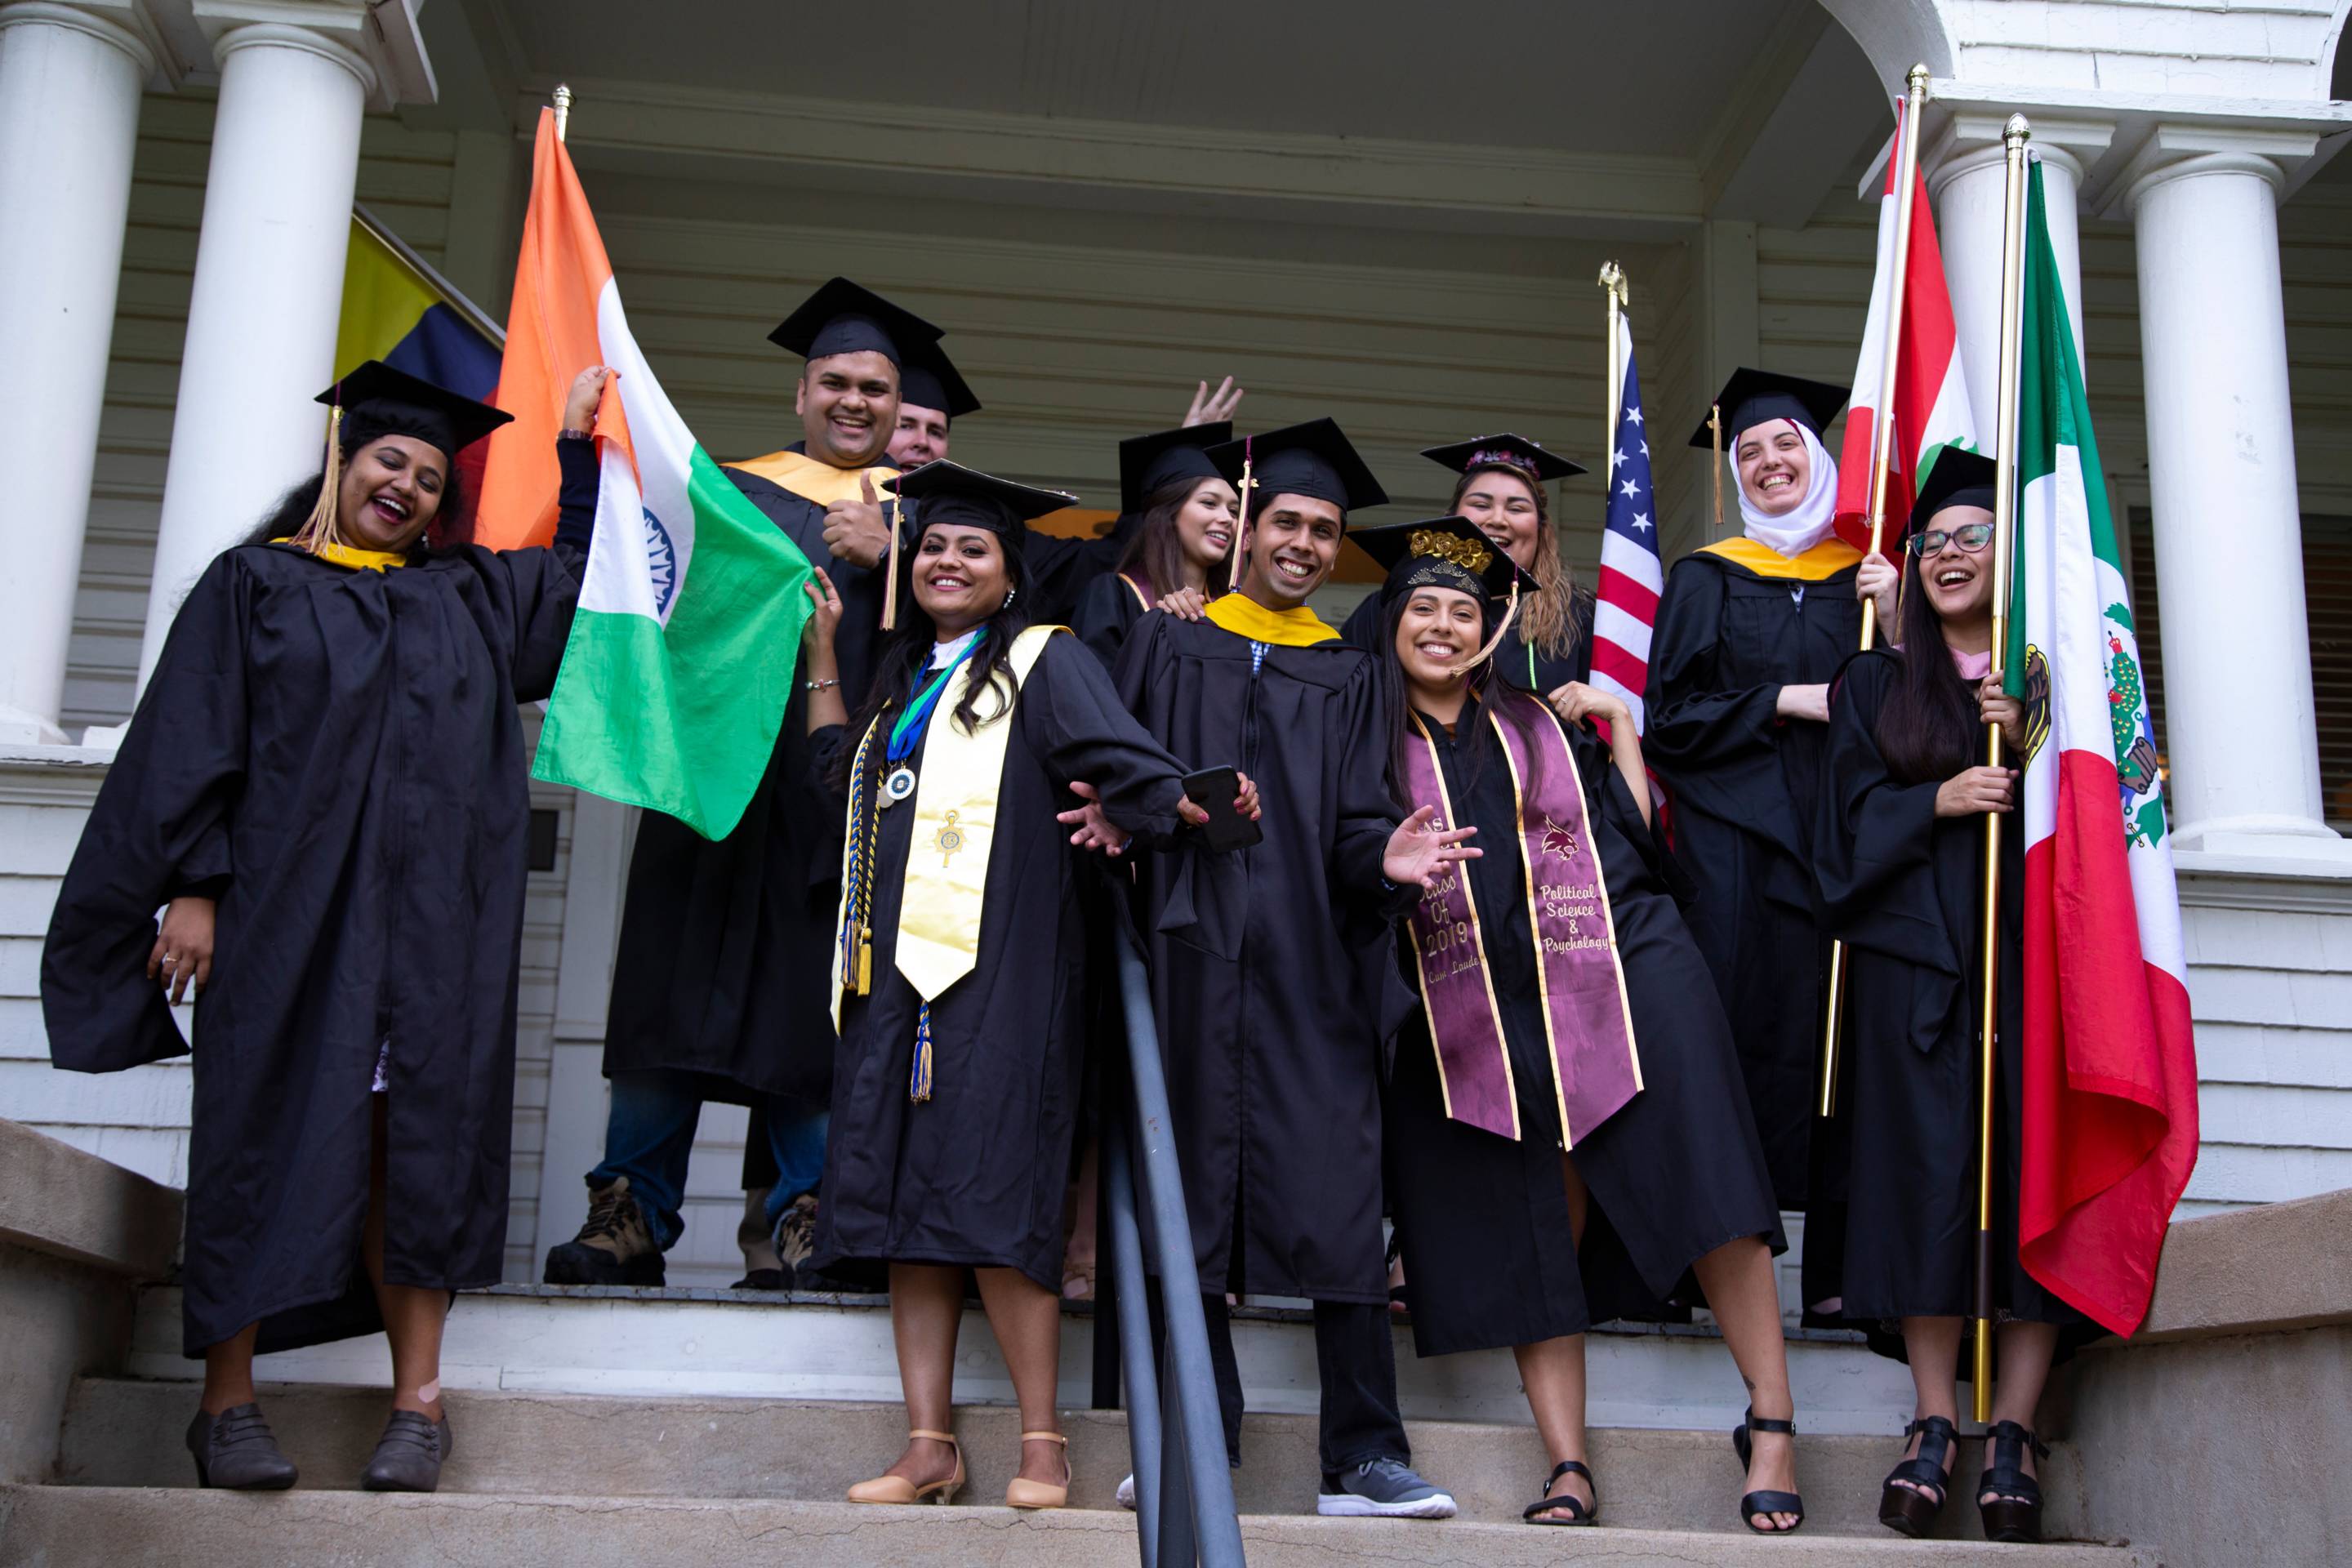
(1792, 532)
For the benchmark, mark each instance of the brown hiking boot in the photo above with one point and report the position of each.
(616, 1246)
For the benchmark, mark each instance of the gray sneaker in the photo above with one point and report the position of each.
(1382, 1488)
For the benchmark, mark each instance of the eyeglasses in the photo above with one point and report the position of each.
(1971, 537)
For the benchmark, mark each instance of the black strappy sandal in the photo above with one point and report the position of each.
(2015, 1512)
(1913, 1513)
(1756, 1505)
(1577, 1512)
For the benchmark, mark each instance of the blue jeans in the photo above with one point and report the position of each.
(649, 1135)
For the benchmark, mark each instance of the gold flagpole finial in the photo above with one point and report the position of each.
(563, 109)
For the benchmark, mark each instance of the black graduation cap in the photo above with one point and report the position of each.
(1313, 459)
(378, 400)
(1148, 464)
(1526, 458)
(952, 493)
(841, 317)
(1442, 553)
(928, 379)
(1752, 396)
(1956, 478)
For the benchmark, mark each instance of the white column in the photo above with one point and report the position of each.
(2239, 729)
(1969, 189)
(70, 86)
(267, 295)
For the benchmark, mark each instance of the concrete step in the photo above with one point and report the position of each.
(603, 1340)
(124, 1433)
(71, 1527)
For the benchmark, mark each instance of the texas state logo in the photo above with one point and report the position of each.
(661, 563)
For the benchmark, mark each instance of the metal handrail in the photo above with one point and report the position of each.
(1184, 1487)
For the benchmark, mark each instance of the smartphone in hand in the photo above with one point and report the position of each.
(1213, 790)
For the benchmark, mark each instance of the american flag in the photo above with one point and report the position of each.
(1631, 575)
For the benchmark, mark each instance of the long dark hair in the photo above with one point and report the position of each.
(1158, 549)
(1930, 729)
(452, 526)
(1471, 733)
(907, 651)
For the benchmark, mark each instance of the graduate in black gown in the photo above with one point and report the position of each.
(957, 958)
(324, 787)
(1270, 970)
(1748, 632)
(1187, 516)
(1900, 846)
(718, 978)
(1567, 1134)
(1504, 490)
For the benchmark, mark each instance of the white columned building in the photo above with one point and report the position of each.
(294, 82)
(70, 81)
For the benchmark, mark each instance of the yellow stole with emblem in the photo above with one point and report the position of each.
(944, 885)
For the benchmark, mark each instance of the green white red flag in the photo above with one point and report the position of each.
(686, 640)
(1929, 400)
(2110, 1084)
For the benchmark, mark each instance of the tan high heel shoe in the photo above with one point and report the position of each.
(1020, 1493)
(899, 1490)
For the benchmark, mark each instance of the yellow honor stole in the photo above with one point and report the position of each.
(1823, 561)
(1246, 617)
(945, 885)
(358, 560)
(816, 481)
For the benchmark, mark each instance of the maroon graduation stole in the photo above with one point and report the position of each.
(1587, 1021)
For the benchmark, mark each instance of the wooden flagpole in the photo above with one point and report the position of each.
(1613, 284)
(1882, 454)
(1715, 430)
(2004, 523)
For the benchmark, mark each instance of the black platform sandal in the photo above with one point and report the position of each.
(1756, 1505)
(2015, 1512)
(1913, 1513)
(1577, 1512)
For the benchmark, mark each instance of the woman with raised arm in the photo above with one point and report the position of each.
(1900, 838)
(1566, 1134)
(984, 742)
(324, 789)
(1177, 559)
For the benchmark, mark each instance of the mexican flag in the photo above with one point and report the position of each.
(687, 637)
(1929, 403)
(2110, 1090)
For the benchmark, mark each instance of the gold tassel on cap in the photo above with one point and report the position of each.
(321, 530)
(1502, 630)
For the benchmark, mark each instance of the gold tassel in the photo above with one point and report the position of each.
(1510, 613)
(321, 529)
(864, 961)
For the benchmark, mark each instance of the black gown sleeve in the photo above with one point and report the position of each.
(1368, 813)
(1060, 569)
(1105, 613)
(159, 829)
(1874, 837)
(1716, 745)
(575, 498)
(1072, 719)
(1362, 627)
(536, 591)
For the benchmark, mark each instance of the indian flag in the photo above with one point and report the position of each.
(1929, 400)
(2110, 1090)
(686, 640)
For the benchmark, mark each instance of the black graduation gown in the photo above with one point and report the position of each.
(977, 1174)
(723, 964)
(1520, 664)
(335, 755)
(1061, 571)
(1272, 979)
(1677, 1173)
(1904, 888)
(1744, 782)
(1106, 615)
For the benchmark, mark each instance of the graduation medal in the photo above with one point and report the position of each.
(897, 786)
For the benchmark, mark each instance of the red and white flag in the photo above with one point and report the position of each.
(1930, 402)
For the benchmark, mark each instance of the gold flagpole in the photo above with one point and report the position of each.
(1715, 429)
(2004, 524)
(563, 109)
(1613, 284)
(1882, 454)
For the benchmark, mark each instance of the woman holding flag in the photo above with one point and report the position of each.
(1545, 1175)
(960, 944)
(1899, 842)
(324, 789)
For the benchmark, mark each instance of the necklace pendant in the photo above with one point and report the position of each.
(897, 786)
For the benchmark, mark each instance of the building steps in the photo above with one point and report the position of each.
(106, 1526)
